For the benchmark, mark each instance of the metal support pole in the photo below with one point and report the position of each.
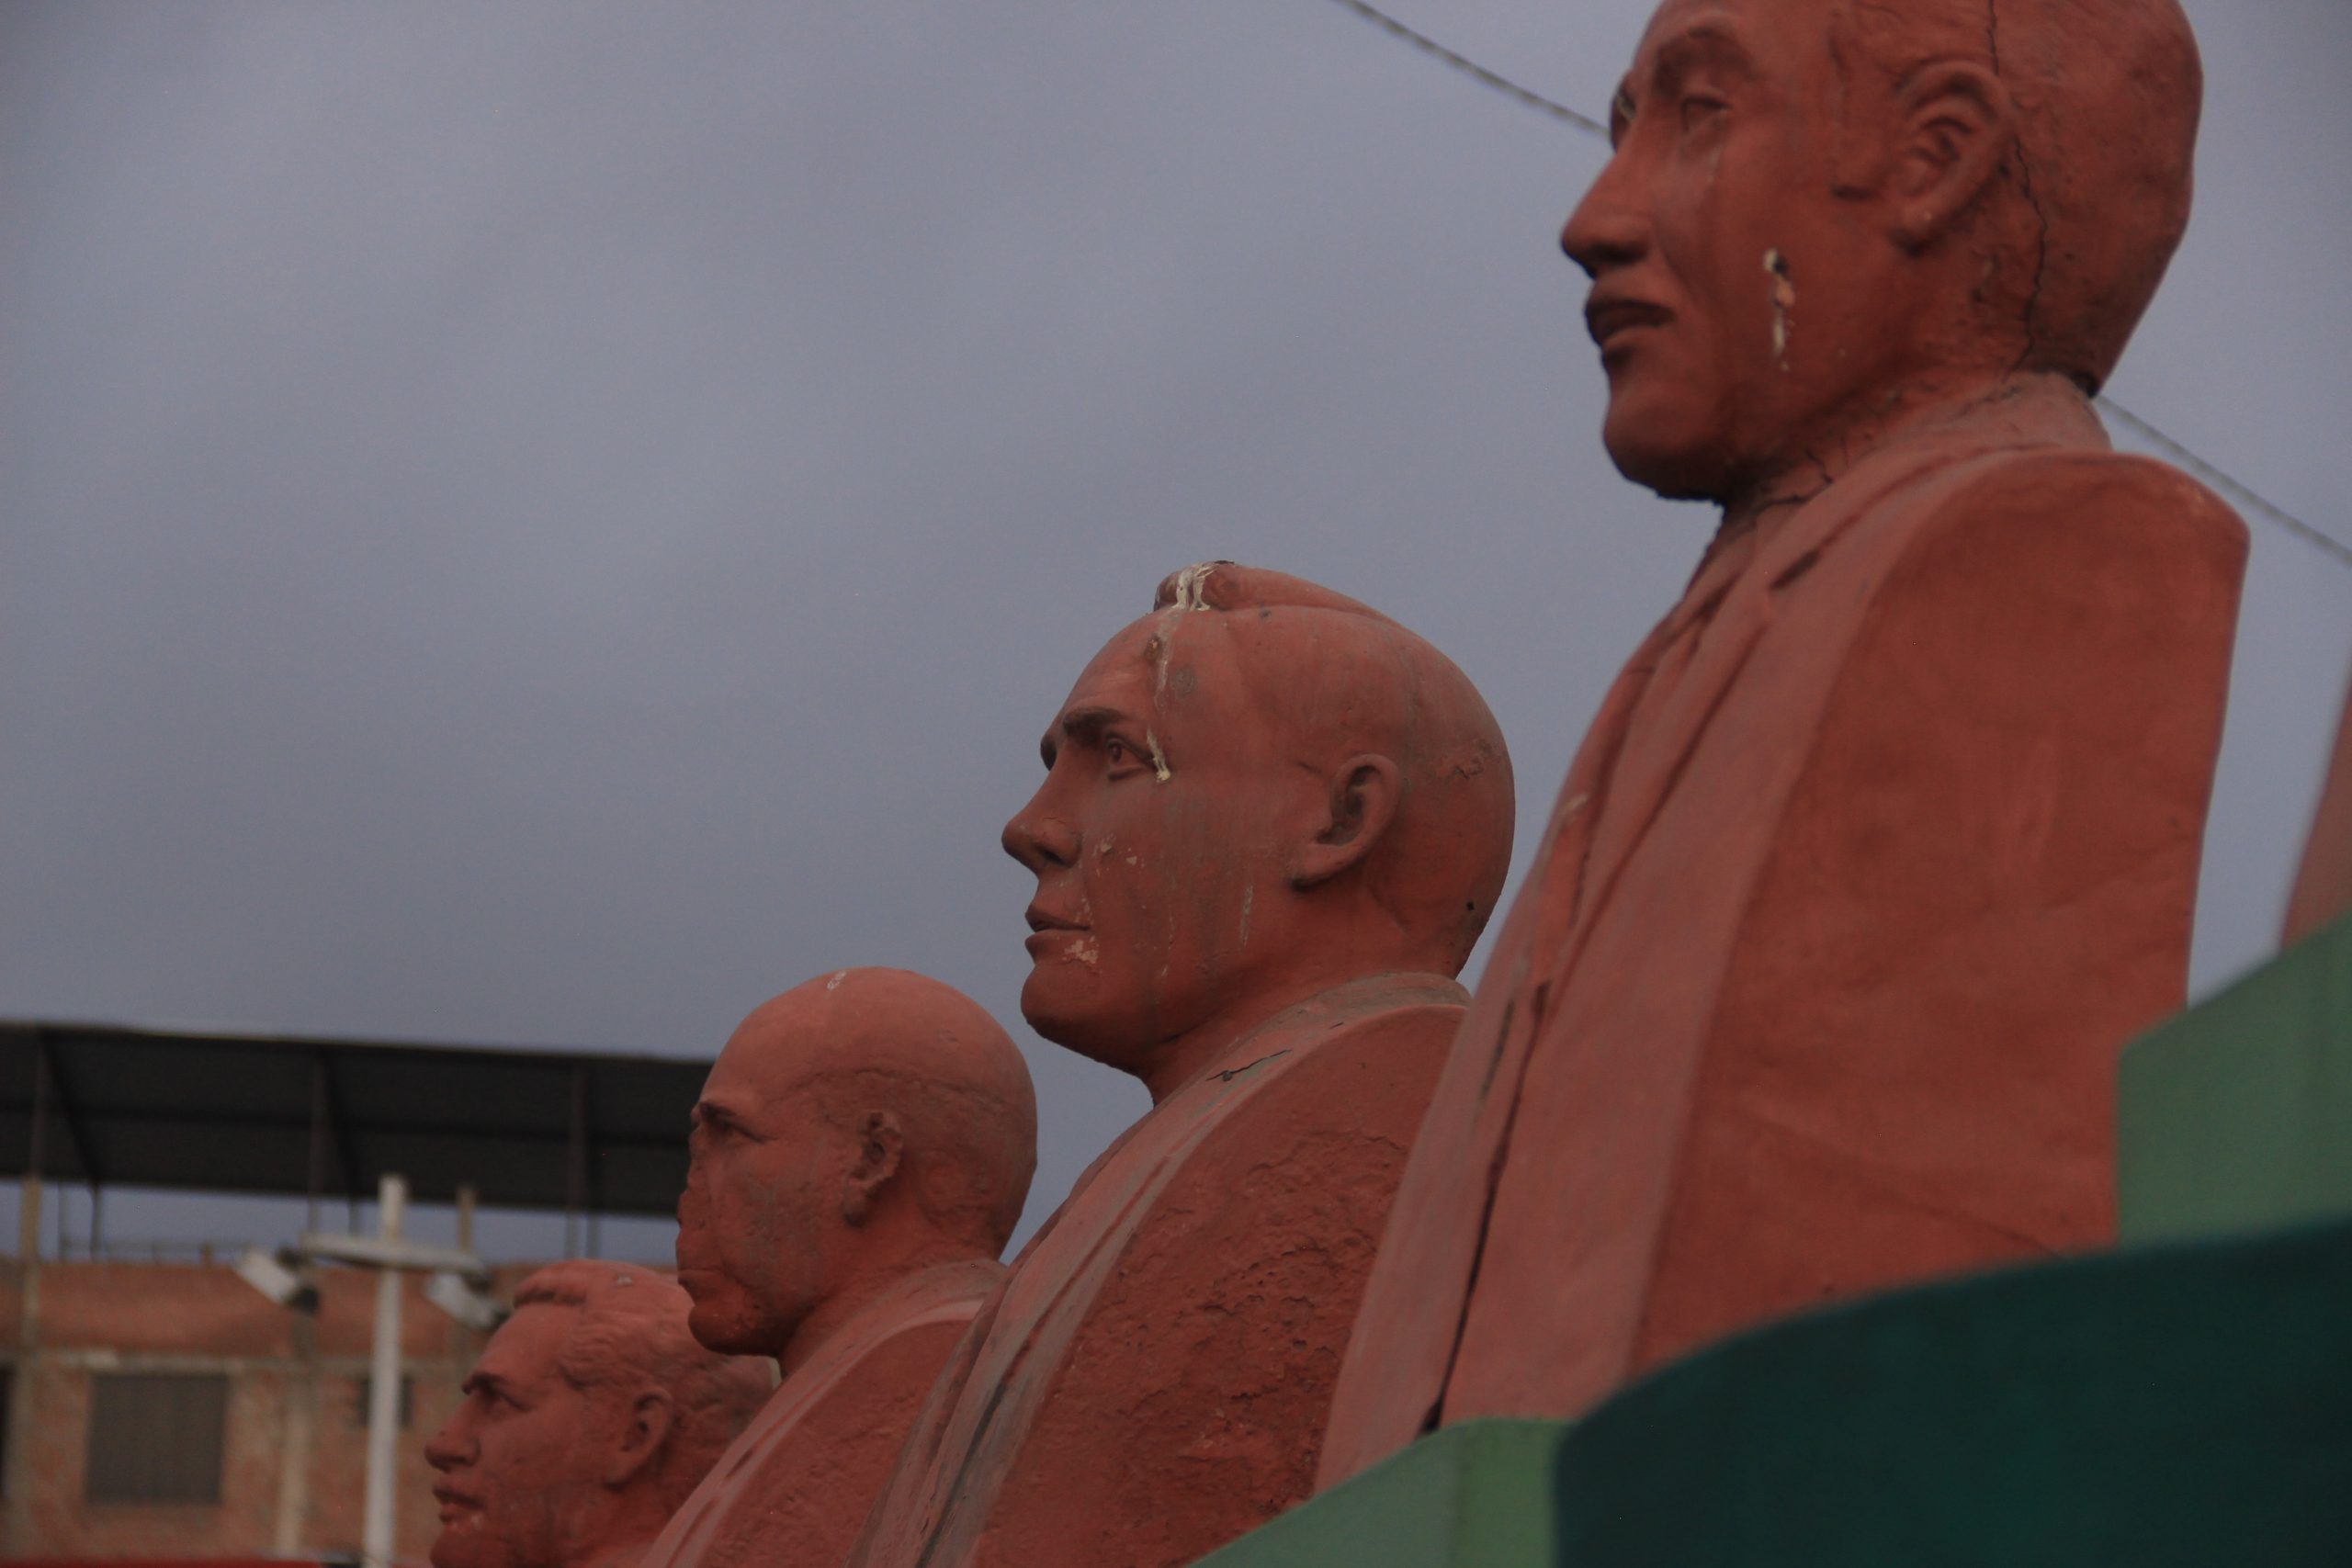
(318, 1177)
(25, 1388)
(28, 1194)
(294, 1450)
(575, 1189)
(384, 1385)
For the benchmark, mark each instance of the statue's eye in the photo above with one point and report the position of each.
(1698, 109)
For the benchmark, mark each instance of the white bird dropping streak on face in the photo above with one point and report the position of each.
(1784, 300)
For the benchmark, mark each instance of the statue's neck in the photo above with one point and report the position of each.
(1233, 1031)
(892, 1275)
(618, 1549)
(2029, 408)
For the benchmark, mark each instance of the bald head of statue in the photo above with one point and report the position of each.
(1261, 790)
(857, 1128)
(1821, 213)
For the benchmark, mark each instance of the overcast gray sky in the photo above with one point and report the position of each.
(550, 523)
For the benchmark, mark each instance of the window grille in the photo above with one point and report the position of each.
(156, 1438)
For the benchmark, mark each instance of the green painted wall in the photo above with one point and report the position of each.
(2238, 1113)
(1476, 1493)
(2182, 1406)
(2162, 1408)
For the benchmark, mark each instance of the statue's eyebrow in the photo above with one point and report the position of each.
(1702, 44)
(1082, 727)
(710, 1112)
(487, 1382)
(1706, 44)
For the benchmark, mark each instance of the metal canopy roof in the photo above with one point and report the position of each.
(326, 1118)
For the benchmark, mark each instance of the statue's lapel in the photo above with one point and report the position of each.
(1696, 672)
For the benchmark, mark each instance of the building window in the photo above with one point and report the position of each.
(156, 1438)
(359, 1401)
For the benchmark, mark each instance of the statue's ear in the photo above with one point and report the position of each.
(1956, 124)
(640, 1439)
(1364, 792)
(880, 1143)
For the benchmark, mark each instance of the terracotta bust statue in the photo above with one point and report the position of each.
(861, 1153)
(1272, 825)
(2324, 889)
(1886, 840)
(589, 1417)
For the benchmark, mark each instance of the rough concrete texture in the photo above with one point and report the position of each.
(860, 1158)
(1272, 827)
(796, 1484)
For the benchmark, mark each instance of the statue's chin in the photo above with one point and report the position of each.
(1076, 1030)
(722, 1325)
(460, 1545)
(1675, 469)
(1115, 1037)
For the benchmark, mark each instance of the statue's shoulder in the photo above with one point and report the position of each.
(2080, 603)
(2054, 499)
(2056, 537)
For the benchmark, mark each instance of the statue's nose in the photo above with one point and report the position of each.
(1039, 838)
(1607, 229)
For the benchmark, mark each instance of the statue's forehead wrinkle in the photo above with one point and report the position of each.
(1679, 15)
(520, 1353)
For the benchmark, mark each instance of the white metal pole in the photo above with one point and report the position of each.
(384, 1385)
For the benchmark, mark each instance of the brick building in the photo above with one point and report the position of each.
(156, 1410)
(167, 1409)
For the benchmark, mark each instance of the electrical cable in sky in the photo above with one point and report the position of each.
(1471, 69)
(2317, 538)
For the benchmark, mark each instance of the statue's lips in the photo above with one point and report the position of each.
(1609, 317)
(1047, 930)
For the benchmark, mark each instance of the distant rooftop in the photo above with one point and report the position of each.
(295, 1117)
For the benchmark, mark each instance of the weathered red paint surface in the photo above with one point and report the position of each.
(861, 1154)
(1271, 827)
(1886, 839)
(589, 1419)
(2323, 888)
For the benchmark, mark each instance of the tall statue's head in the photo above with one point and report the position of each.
(856, 1129)
(1260, 790)
(1821, 211)
(587, 1421)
